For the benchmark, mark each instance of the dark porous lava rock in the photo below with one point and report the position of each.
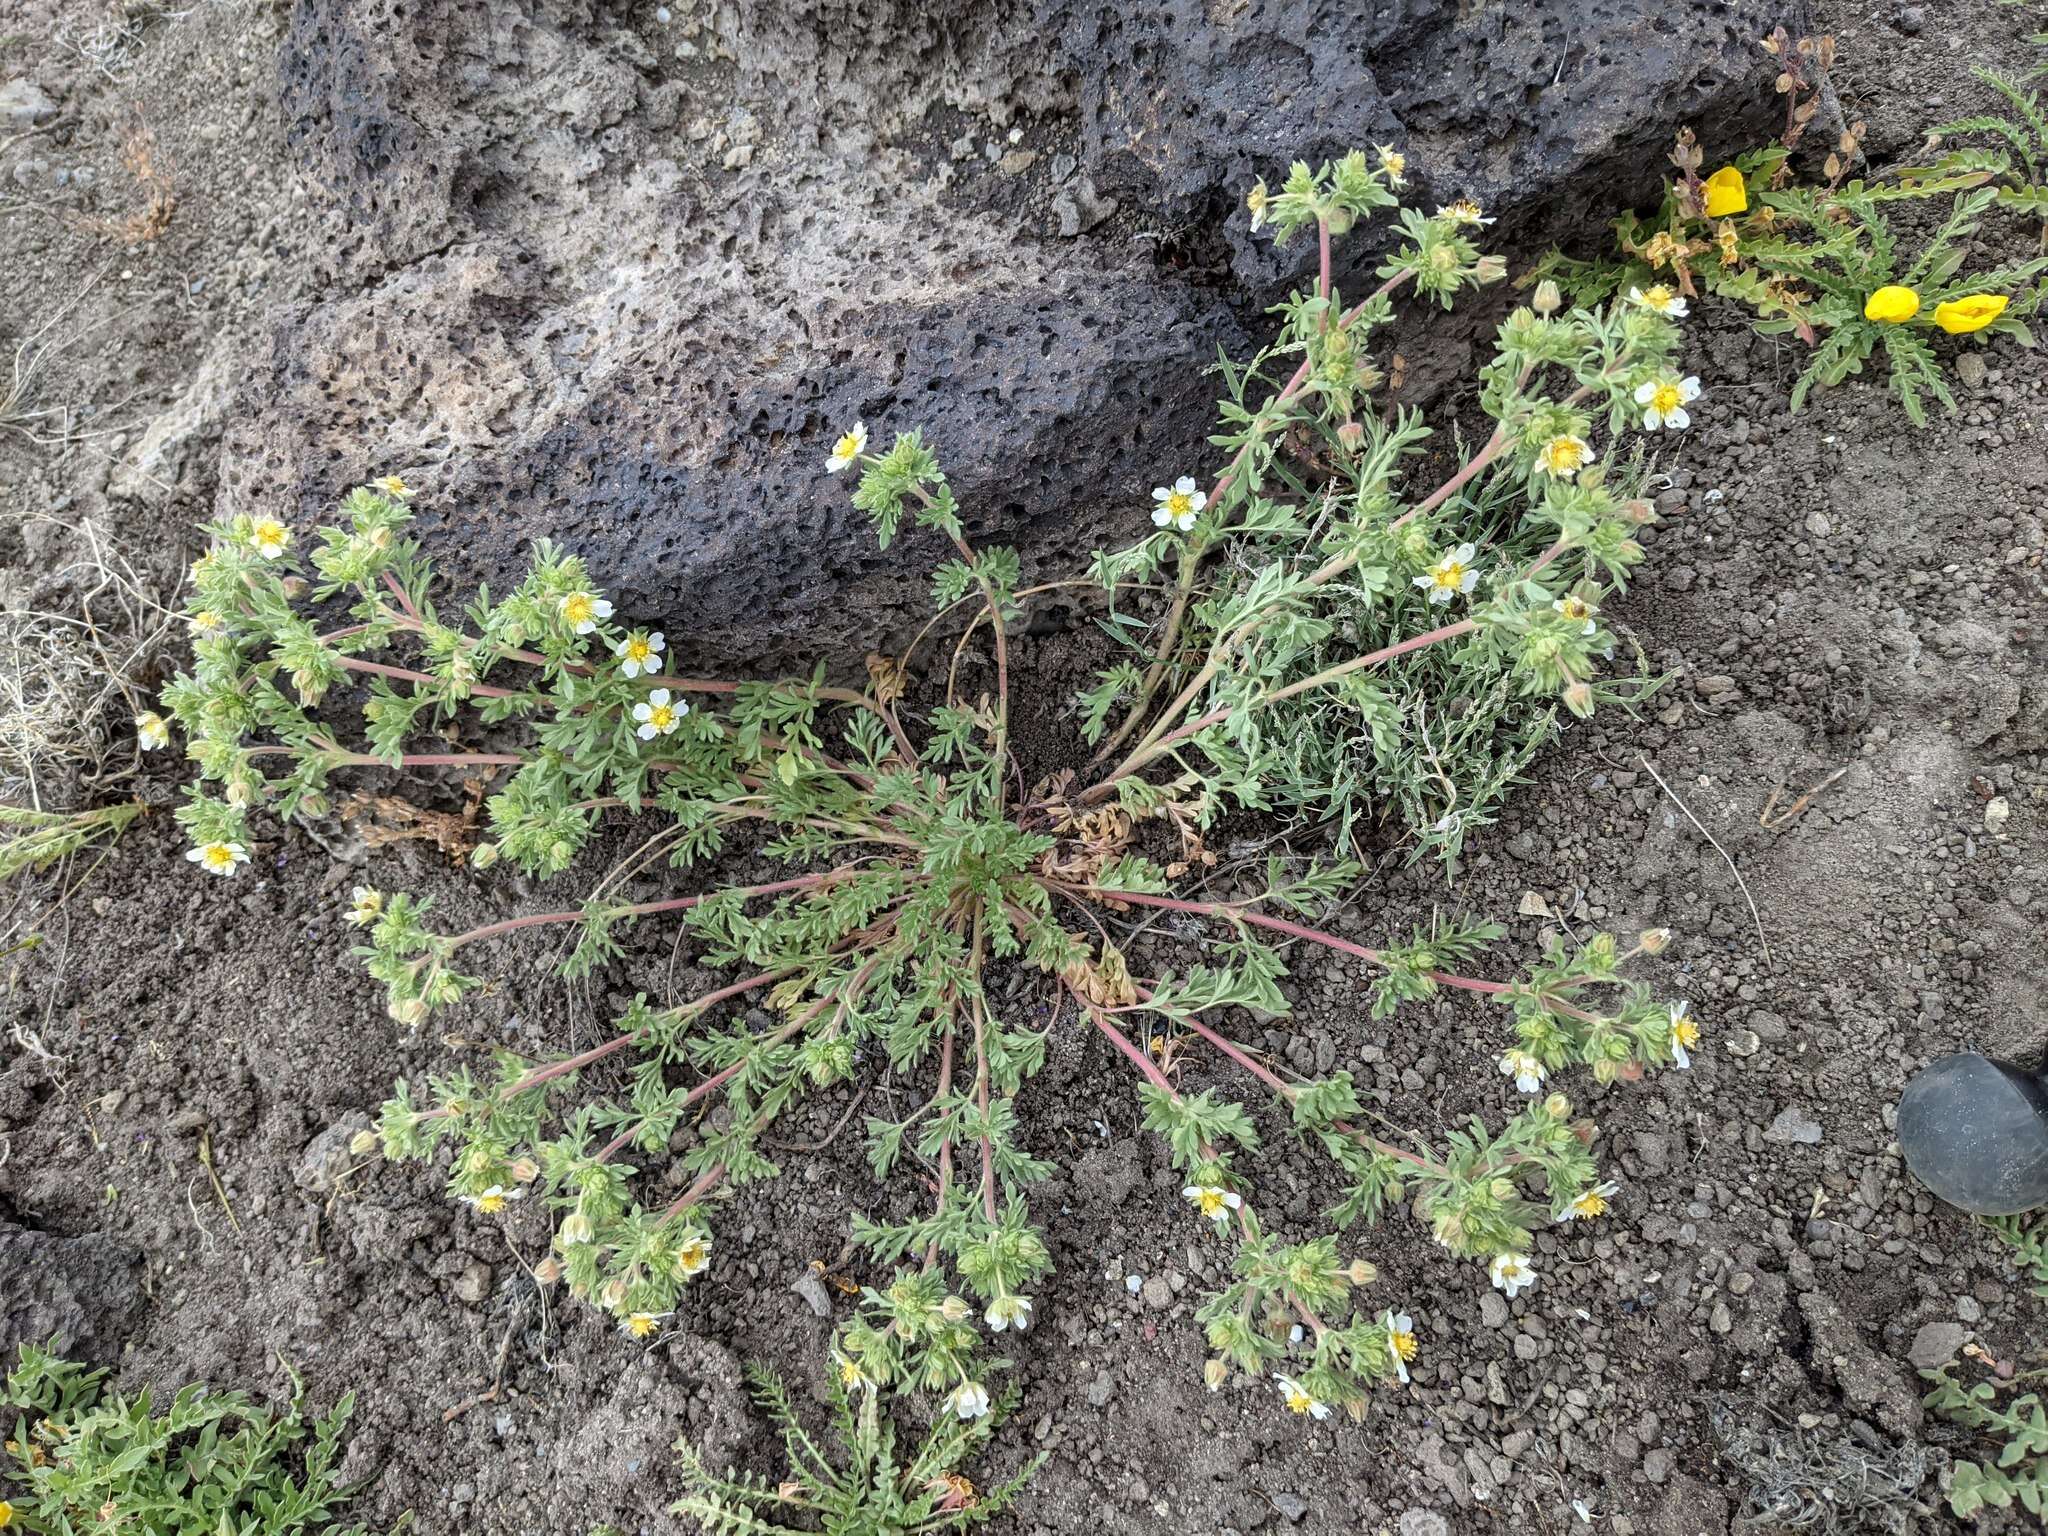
(620, 282)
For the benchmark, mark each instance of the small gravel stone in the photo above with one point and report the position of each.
(1657, 1465)
(1292, 1505)
(1794, 1124)
(1493, 1310)
(1423, 1522)
(1936, 1344)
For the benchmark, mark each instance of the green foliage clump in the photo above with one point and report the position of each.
(82, 1459)
(1823, 262)
(867, 1489)
(1328, 631)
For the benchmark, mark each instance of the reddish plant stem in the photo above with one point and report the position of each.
(1279, 925)
(407, 674)
(706, 1181)
(638, 909)
(931, 1252)
(404, 602)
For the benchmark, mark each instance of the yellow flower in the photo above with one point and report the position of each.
(1400, 1341)
(641, 1324)
(208, 621)
(1590, 1202)
(493, 1200)
(268, 537)
(1563, 456)
(1961, 316)
(1212, 1201)
(693, 1255)
(1393, 162)
(848, 449)
(1256, 200)
(6, 1510)
(392, 485)
(1726, 193)
(1298, 1400)
(219, 858)
(581, 611)
(1891, 305)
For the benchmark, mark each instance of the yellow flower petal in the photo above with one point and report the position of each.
(1726, 193)
(1892, 305)
(1973, 312)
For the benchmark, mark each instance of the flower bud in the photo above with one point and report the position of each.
(576, 1228)
(1578, 698)
(789, 1492)
(1490, 269)
(1654, 941)
(314, 805)
(1503, 1189)
(411, 1011)
(363, 1143)
(548, 1271)
(525, 1170)
(1639, 512)
(1557, 1106)
(1548, 299)
(1351, 436)
(483, 856)
(954, 1310)
(1214, 1373)
(1359, 1272)
(614, 1294)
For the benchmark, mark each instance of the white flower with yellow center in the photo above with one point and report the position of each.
(1664, 401)
(366, 905)
(641, 1325)
(1576, 610)
(1212, 1201)
(1511, 1272)
(1525, 1069)
(1009, 1312)
(268, 537)
(219, 858)
(583, 611)
(1659, 299)
(1685, 1035)
(1177, 505)
(1453, 576)
(393, 486)
(849, 448)
(641, 652)
(659, 714)
(151, 732)
(1563, 456)
(1400, 1341)
(969, 1400)
(494, 1199)
(1256, 201)
(1394, 163)
(693, 1256)
(1589, 1203)
(1464, 211)
(851, 1377)
(1298, 1400)
(206, 621)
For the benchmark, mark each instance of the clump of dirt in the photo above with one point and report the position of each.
(1839, 600)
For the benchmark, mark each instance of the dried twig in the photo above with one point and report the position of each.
(1741, 883)
(1764, 818)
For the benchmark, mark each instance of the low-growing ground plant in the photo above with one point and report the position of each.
(863, 1490)
(1340, 615)
(1823, 261)
(81, 1458)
